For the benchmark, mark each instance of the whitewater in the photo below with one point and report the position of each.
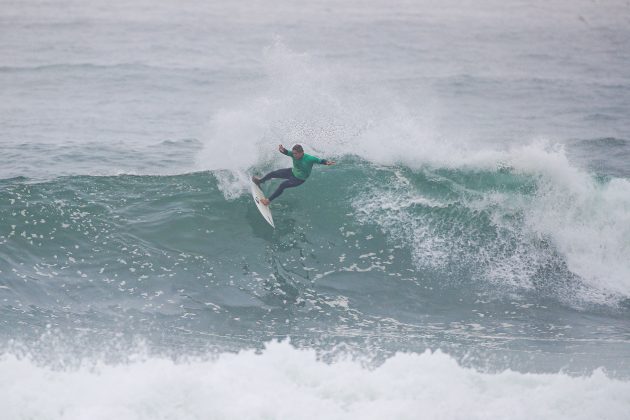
(467, 257)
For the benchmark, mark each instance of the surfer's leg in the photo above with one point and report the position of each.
(289, 183)
(280, 173)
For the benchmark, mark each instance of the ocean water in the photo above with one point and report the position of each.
(467, 257)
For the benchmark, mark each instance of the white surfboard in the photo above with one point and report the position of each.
(264, 210)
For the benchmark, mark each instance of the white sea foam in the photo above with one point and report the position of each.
(285, 383)
(586, 221)
(589, 224)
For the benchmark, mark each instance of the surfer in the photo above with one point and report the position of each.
(302, 165)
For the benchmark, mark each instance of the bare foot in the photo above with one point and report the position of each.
(264, 201)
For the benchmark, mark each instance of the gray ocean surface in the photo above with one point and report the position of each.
(467, 257)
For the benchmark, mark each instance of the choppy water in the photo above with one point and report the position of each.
(470, 253)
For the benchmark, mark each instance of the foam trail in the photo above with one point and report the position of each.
(286, 383)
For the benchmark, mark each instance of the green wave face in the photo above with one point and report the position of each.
(413, 257)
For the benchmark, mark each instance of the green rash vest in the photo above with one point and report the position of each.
(302, 167)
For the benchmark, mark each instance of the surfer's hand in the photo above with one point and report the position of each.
(282, 149)
(330, 162)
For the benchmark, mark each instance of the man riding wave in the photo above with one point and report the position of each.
(302, 166)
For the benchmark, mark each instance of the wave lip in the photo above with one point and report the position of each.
(286, 383)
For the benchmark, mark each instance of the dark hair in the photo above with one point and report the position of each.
(298, 148)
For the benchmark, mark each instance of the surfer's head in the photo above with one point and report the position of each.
(298, 151)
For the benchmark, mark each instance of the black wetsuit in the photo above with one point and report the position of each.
(291, 181)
